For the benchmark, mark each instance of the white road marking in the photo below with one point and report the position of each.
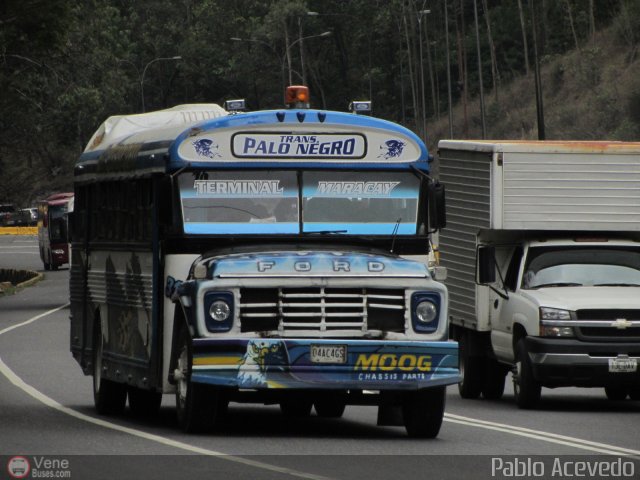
(458, 419)
(544, 436)
(36, 394)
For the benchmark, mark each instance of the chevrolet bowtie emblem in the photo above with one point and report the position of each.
(621, 323)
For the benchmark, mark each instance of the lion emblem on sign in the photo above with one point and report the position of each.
(392, 149)
(206, 148)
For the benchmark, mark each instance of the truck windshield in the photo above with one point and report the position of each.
(581, 266)
(292, 202)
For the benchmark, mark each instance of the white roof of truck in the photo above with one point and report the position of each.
(542, 146)
(118, 127)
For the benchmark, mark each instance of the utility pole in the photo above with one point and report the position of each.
(482, 116)
(539, 105)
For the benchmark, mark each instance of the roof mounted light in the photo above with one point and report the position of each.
(297, 96)
(360, 107)
(235, 106)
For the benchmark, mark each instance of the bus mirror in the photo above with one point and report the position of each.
(486, 265)
(437, 212)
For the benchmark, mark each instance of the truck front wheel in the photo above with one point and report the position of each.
(423, 411)
(199, 407)
(525, 387)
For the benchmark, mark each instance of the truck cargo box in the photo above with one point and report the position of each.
(511, 188)
(552, 185)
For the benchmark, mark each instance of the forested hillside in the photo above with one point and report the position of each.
(65, 66)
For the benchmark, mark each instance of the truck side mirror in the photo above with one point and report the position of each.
(437, 212)
(486, 265)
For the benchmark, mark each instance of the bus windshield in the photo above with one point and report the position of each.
(58, 224)
(294, 202)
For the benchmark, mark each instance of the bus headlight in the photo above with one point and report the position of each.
(218, 307)
(219, 310)
(425, 310)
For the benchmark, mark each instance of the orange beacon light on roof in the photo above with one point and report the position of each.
(297, 96)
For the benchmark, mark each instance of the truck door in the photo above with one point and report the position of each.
(503, 308)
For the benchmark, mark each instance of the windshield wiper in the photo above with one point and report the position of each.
(557, 284)
(616, 285)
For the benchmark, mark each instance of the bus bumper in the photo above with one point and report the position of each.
(324, 364)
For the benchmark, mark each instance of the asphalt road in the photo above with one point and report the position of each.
(46, 414)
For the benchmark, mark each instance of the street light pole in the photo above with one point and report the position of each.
(424, 103)
(300, 40)
(482, 115)
(177, 57)
(285, 56)
(446, 30)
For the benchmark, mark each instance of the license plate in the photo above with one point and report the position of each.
(328, 353)
(623, 365)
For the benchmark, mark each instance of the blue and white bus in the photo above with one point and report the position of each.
(260, 257)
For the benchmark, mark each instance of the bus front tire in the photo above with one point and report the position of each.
(199, 407)
(423, 411)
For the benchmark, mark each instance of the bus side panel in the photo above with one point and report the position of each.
(176, 268)
(81, 318)
(120, 291)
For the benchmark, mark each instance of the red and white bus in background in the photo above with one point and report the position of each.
(53, 229)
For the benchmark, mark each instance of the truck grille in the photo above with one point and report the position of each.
(322, 309)
(608, 333)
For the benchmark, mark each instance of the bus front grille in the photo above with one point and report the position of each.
(322, 309)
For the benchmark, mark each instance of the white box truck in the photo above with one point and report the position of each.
(542, 251)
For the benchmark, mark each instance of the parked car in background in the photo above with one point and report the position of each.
(8, 215)
(28, 217)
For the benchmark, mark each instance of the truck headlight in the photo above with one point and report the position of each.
(547, 313)
(548, 316)
(218, 310)
(553, 331)
(425, 311)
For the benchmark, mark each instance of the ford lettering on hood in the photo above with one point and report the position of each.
(310, 264)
